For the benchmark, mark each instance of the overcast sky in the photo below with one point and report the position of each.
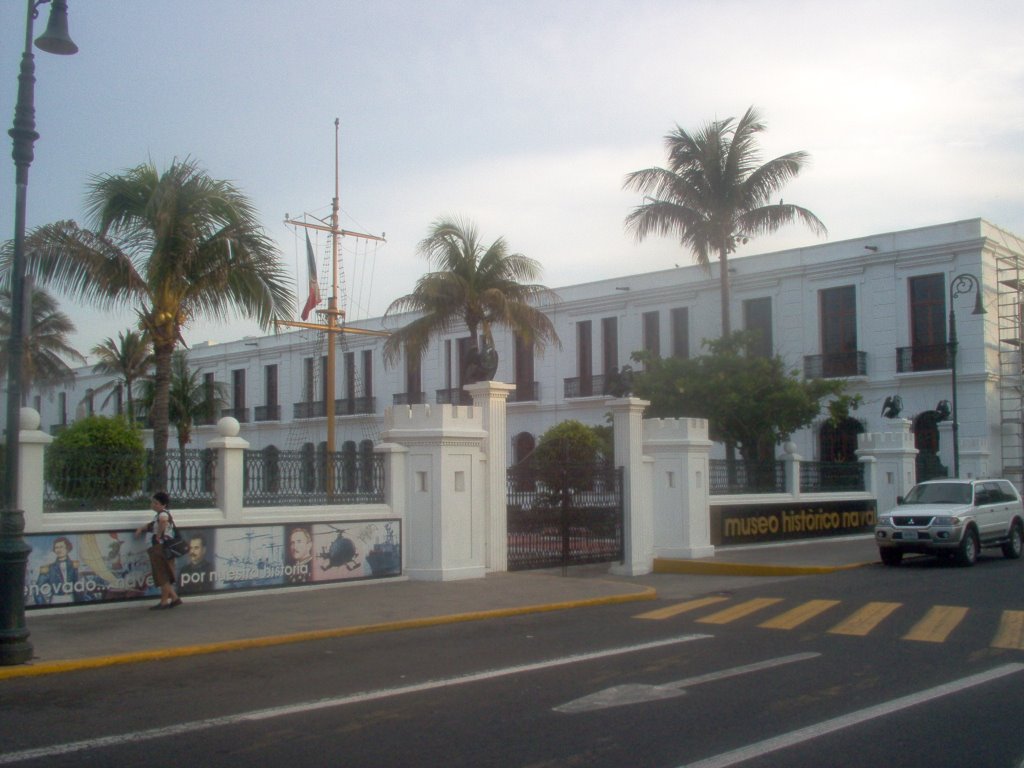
(522, 116)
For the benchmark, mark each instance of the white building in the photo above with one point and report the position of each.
(874, 310)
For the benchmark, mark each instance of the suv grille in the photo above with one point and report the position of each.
(909, 520)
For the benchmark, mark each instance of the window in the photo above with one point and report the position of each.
(308, 379)
(413, 377)
(757, 317)
(62, 408)
(270, 381)
(584, 358)
(524, 369)
(324, 394)
(89, 405)
(368, 372)
(610, 343)
(837, 308)
(928, 322)
(680, 332)
(238, 389)
(652, 333)
(209, 390)
(350, 376)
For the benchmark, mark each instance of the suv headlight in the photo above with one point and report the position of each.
(885, 520)
(947, 521)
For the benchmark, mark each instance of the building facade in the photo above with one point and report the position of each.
(875, 310)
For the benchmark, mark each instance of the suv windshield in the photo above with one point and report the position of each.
(939, 493)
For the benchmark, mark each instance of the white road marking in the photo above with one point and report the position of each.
(338, 701)
(637, 693)
(736, 756)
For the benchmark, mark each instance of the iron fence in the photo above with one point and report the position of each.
(824, 477)
(747, 477)
(311, 476)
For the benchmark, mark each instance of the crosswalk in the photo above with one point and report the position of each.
(937, 624)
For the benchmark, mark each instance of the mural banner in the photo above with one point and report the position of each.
(75, 568)
(749, 523)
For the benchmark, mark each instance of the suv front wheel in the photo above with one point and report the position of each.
(967, 553)
(1013, 547)
(890, 555)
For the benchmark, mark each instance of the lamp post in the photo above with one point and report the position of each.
(959, 285)
(14, 645)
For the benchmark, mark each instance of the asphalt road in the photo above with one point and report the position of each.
(921, 665)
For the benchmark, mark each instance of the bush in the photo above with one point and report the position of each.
(567, 456)
(97, 459)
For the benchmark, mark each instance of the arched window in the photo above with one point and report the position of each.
(838, 442)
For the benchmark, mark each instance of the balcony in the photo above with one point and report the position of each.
(241, 414)
(584, 386)
(453, 396)
(526, 392)
(356, 406)
(934, 357)
(409, 398)
(836, 366)
(267, 413)
(309, 410)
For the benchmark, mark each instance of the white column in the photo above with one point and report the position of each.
(490, 397)
(894, 454)
(627, 423)
(32, 446)
(230, 475)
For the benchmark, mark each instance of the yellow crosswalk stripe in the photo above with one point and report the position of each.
(674, 610)
(864, 620)
(796, 616)
(1011, 631)
(937, 624)
(739, 611)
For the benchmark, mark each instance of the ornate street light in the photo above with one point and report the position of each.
(959, 285)
(14, 645)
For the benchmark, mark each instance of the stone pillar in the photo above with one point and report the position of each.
(490, 398)
(946, 446)
(682, 514)
(894, 454)
(32, 445)
(444, 489)
(974, 457)
(627, 422)
(229, 488)
(791, 462)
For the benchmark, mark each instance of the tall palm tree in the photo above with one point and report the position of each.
(480, 286)
(46, 345)
(189, 401)
(174, 245)
(714, 194)
(129, 359)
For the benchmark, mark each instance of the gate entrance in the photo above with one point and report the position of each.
(578, 522)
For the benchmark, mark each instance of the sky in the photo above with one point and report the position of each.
(522, 117)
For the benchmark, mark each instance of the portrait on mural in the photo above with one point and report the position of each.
(195, 568)
(299, 555)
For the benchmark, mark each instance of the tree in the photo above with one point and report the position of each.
(129, 359)
(714, 195)
(477, 285)
(174, 245)
(46, 346)
(189, 401)
(749, 400)
(97, 459)
(567, 456)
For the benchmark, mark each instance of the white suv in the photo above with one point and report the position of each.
(953, 518)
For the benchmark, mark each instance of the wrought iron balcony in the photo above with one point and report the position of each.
(584, 386)
(409, 398)
(933, 357)
(526, 392)
(837, 365)
(309, 410)
(453, 396)
(267, 413)
(241, 414)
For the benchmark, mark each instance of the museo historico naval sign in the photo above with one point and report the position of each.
(750, 523)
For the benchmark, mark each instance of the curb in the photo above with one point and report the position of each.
(97, 662)
(698, 568)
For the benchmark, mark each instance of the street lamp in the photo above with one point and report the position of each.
(959, 285)
(14, 645)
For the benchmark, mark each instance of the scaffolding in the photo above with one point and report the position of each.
(1010, 295)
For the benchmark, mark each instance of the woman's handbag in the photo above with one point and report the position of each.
(175, 547)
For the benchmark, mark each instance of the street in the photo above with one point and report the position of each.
(920, 665)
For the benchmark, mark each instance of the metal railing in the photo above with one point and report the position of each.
(825, 477)
(834, 366)
(584, 386)
(306, 477)
(934, 357)
(409, 398)
(746, 477)
(267, 413)
(453, 396)
(526, 392)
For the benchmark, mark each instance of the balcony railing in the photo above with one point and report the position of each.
(309, 410)
(453, 396)
(355, 406)
(836, 365)
(933, 357)
(267, 413)
(526, 392)
(242, 414)
(746, 477)
(409, 398)
(584, 386)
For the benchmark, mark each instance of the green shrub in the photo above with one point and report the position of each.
(97, 459)
(567, 456)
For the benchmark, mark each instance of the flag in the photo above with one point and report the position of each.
(314, 287)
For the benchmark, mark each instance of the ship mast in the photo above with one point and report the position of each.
(333, 317)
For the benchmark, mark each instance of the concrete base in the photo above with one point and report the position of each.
(630, 569)
(685, 553)
(446, 574)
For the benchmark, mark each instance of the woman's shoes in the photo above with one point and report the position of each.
(159, 607)
(175, 603)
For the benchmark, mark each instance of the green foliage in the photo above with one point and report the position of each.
(567, 456)
(749, 400)
(97, 458)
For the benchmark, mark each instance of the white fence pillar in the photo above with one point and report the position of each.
(32, 446)
(894, 454)
(490, 398)
(230, 476)
(627, 422)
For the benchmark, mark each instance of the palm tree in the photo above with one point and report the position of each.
(129, 359)
(46, 345)
(189, 401)
(481, 286)
(174, 245)
(714, 195)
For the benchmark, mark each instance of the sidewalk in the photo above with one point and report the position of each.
(74, 638)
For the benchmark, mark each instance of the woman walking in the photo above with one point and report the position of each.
(162, 528)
